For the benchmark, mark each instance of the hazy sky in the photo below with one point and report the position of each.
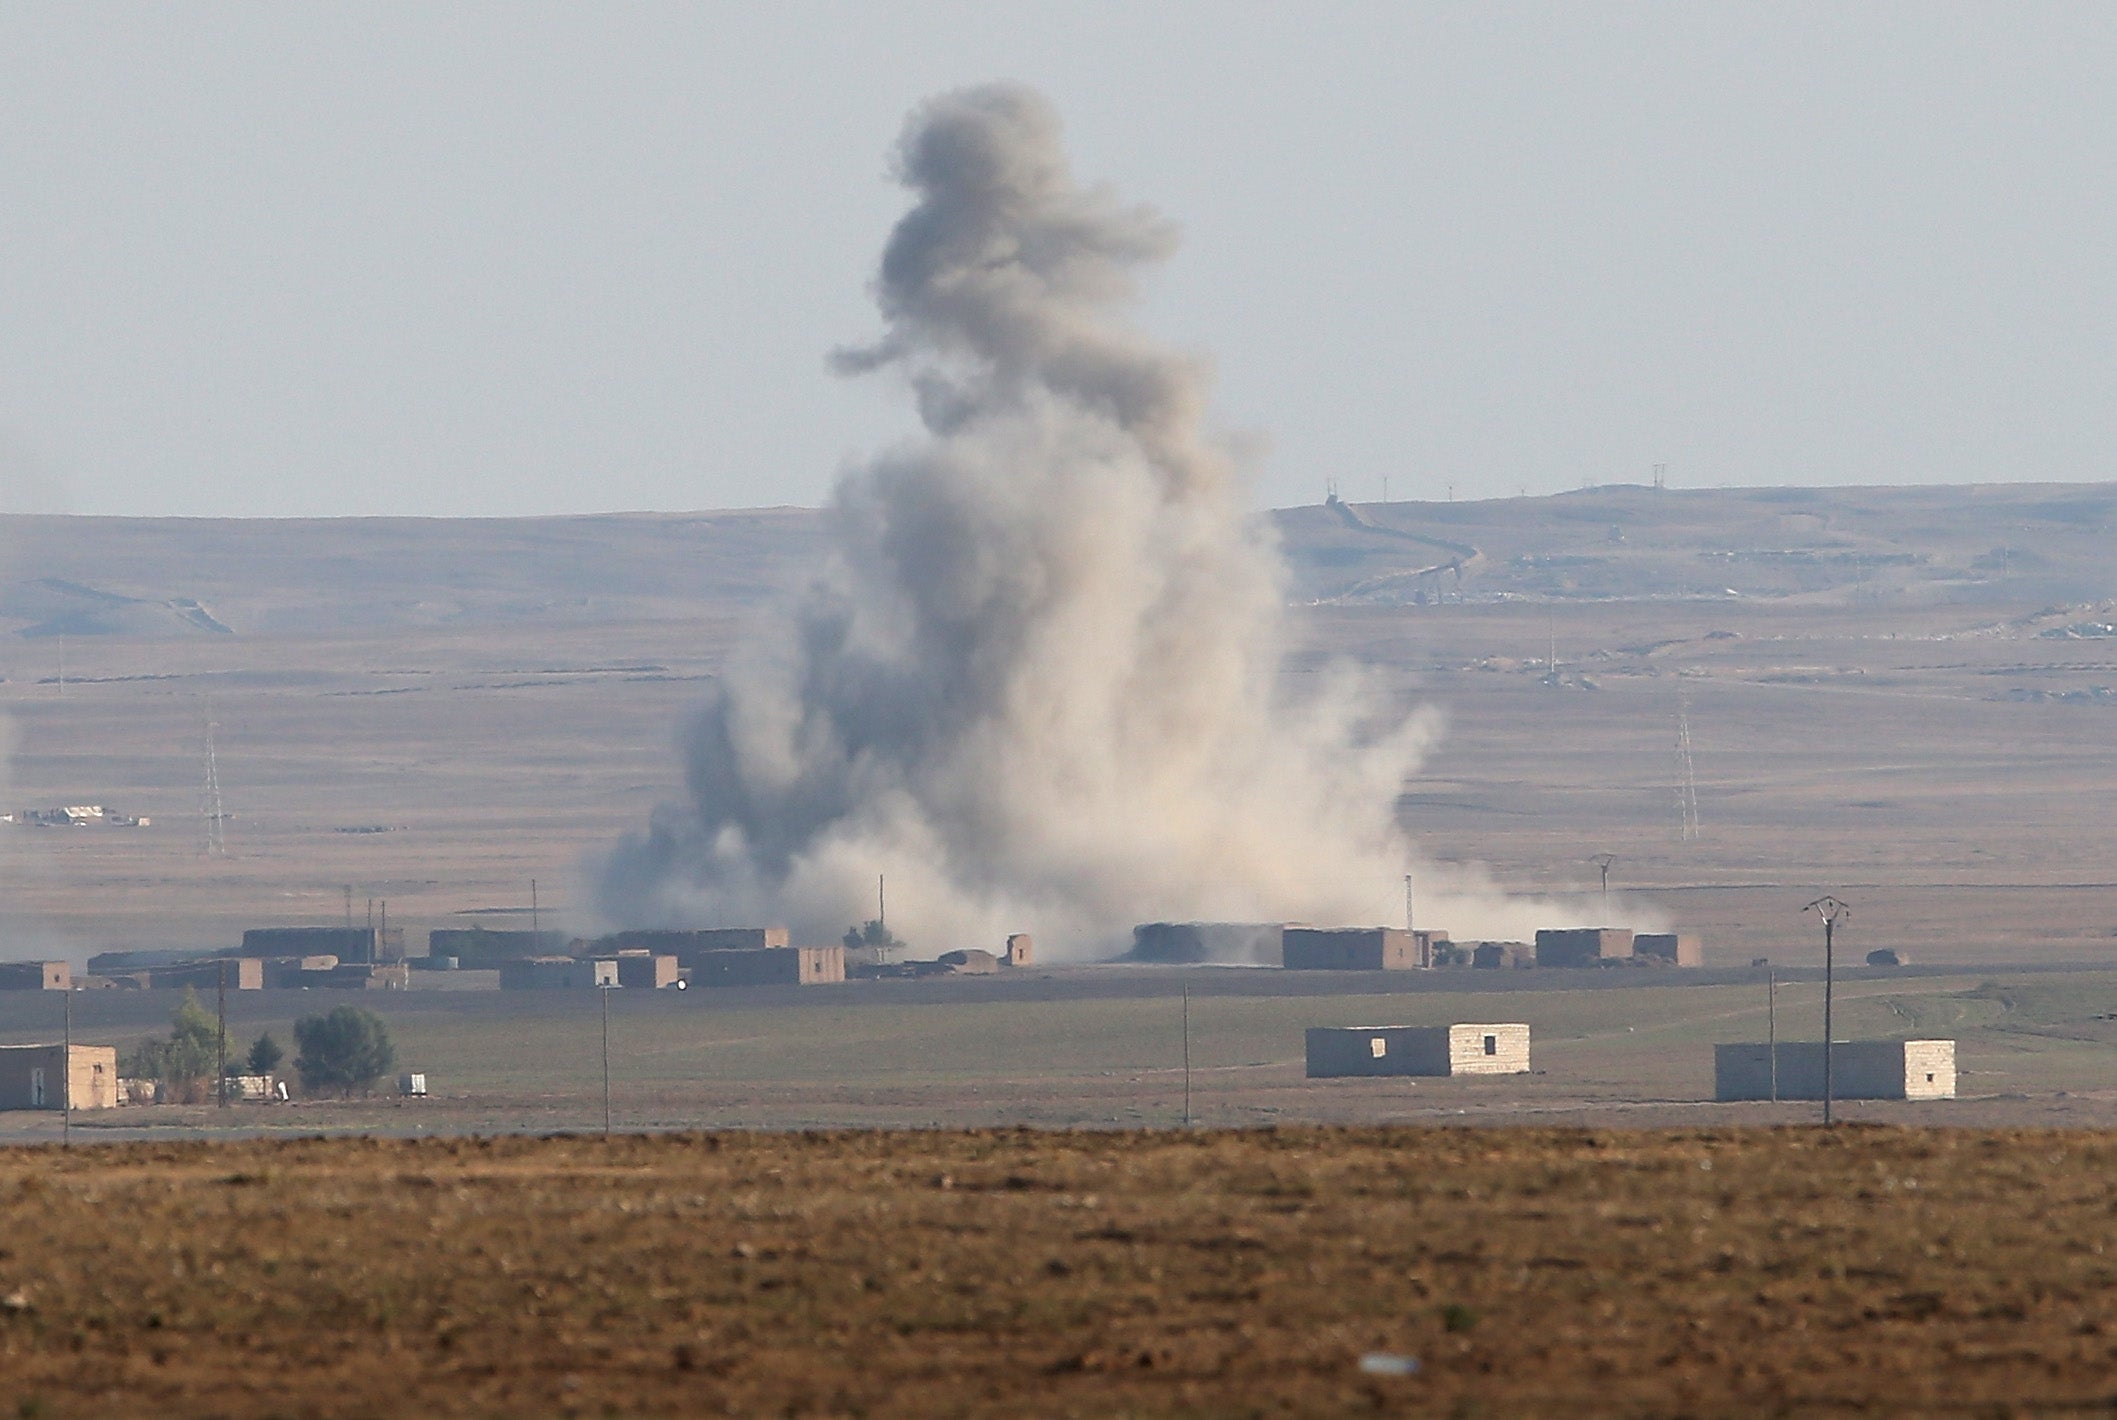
(503, 259)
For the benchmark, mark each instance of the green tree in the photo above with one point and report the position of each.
(188, 1058)
(872, 934)
(265, 1054)
(347, 1050)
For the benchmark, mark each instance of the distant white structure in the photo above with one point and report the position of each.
(73, 816)
(1860, 1070)
(413, 1086)
(1461, 1049)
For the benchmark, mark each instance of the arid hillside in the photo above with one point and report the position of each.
(1904, 696)
(139, 577)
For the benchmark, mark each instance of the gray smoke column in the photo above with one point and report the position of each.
(1039, 685)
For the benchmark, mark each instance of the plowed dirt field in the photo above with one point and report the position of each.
(1789, 1271)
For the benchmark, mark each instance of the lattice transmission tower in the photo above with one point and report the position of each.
(1686, 777)
(212, 818)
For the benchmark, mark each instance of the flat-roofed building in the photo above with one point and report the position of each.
(1582, 946)
(1357, 949)
(1236, 943)
(645, 971)
(1859, 1070)
(209, 974)
(362, 976)
(557, 974)
(769, 966)
(292, 973)
(687, 944)
(36, 976)
(371, 944)
(476, 948)
(1460, 1049)
(1675, 948)
(41, 1076)
(1500, 956)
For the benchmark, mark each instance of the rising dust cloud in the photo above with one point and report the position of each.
(1038, 685)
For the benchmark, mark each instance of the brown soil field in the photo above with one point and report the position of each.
(1721, 1271)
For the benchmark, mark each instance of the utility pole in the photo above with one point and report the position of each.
(66, 1076)
(1603, 861)
(1832, 912)
(1187, 1052)
(1686, 774)
(882, 901)
(1771, 1025)
(1409, 924)
(221, 995)
(605, 990)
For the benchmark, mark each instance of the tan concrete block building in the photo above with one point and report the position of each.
(40, 1076)
(1461, 1049)
(1860, 1070)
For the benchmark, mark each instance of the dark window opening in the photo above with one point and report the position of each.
(1492, 1045)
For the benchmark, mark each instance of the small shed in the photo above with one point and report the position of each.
(1461, 1049)
(38, 1077)
(1019, 949)
(1860, 1070)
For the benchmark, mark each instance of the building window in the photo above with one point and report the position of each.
(1929, 1077)
(1492, 1045)
(1379, 1046)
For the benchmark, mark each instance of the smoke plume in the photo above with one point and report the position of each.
(1039, 686)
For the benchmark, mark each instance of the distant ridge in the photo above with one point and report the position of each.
(2041, 544)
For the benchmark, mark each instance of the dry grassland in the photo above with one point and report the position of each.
(1008, 1273)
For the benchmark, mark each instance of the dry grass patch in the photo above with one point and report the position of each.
(1093, 1274)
